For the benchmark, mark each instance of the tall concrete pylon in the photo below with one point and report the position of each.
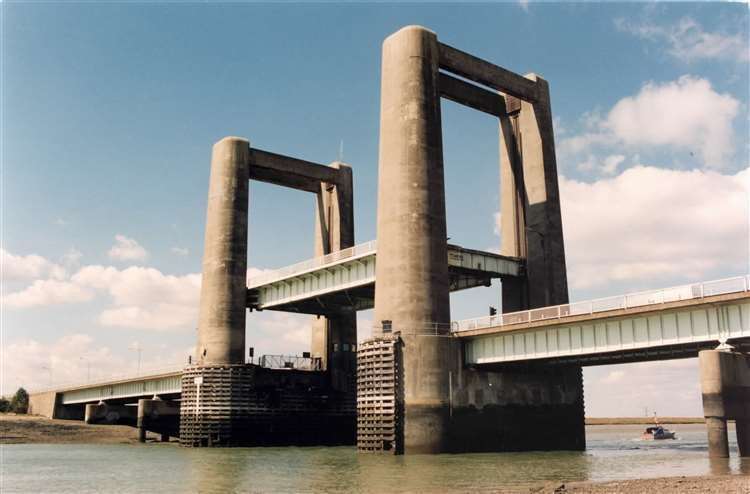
(412, 288)
(531, 223)
(434, 395)
(221, 323)
(219, 374)
(334, 337)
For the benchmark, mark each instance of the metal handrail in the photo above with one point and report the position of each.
(423, 328)
(638, 299)
(310, 264)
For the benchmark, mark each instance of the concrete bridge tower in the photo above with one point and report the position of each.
(427, 400)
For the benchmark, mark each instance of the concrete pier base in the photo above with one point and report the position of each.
(525, 409)
(105, 413)
(247, 405)
(743, 437)
(520, 409)
(159, 416)
(725, 384)
(718, 438)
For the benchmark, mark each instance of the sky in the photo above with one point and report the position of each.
(109, 112)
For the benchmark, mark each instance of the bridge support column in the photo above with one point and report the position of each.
(105, 413)
(334, 339)
(530, 202)
(725, 384)
(220, 352)
(159, 416)
(411, 294)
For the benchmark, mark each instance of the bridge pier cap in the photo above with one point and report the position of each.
(221, 326)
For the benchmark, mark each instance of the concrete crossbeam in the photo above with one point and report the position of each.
(291, 172)
(486, 73)
(472, 96)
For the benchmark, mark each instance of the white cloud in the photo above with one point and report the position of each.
(158, 316)
(611, 163)
(73, 358)
(524, 4)
(650, 225)
(29, 267)
(607, 167)
(144, 298)
(686, 114)
(180, 251)
(72, 259)
(47, 292)
(686, 40)
(127, 249)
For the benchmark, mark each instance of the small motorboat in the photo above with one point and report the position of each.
(658, 432)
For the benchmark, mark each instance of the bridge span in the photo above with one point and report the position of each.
(670, 323)
(662, 324)
(345, 279)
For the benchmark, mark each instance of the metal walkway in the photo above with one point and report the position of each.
(346, 279)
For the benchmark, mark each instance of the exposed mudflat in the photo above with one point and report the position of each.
(713, 484)
(32, 429)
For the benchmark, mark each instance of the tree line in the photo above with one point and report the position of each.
(18, 403)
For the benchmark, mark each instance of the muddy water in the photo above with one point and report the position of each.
(614, 452)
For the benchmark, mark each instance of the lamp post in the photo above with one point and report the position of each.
(48, 368)
(137, 347)
(88, 367)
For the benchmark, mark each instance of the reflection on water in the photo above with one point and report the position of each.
(614, 452)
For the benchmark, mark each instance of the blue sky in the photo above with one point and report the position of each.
(110, 111)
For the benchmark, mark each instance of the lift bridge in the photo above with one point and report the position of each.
(421, 383)
(346, 278)
(674, 322)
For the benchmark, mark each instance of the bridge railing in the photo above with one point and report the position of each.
(110, 378)
(631, 300)
(423, 328)
(300, 267)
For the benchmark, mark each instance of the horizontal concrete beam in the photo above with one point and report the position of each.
(290, 172)
(486, 73)
(472, 96)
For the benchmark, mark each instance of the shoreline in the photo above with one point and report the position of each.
(704, 484)
(642, 420)
(35, 429)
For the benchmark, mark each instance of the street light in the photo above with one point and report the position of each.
(88, 367)
(48, 368)
(137, 347)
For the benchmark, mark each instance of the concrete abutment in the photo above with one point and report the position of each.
(725, 386)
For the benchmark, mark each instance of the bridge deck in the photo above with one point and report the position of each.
(346, 279)
(661, 324)
(669, 323)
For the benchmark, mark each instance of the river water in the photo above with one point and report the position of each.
(614, 452)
